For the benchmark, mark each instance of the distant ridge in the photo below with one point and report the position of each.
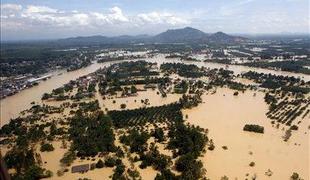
(187, 34)
(183, 35)
(222, 37)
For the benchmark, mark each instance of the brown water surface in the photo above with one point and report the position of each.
(225, 115)
(11, 106)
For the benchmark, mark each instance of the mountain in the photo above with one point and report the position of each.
(187, 34)
(222, 37)
(184, 35)
(80, 39)
(99, 40)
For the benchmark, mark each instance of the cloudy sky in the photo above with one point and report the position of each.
(50, 19)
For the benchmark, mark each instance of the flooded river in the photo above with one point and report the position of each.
(222, 113)
(11, 106)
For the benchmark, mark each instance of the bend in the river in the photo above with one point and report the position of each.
(11, 106)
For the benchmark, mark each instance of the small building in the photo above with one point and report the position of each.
(40, 78)
(80, 168)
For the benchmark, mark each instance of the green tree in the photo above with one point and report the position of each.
(99, 164)
(46, 147)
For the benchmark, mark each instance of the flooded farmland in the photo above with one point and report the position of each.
(225, 115)
(12, 105)
(222, 113)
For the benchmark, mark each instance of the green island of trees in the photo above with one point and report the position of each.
(190, 71)
(91, 134)
(46, 147)
(253, 128)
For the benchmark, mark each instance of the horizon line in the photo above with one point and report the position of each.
(112, 36)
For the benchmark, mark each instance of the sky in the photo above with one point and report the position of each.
(52, 19)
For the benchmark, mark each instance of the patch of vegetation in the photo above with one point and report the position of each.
(130, 69)
(91, 134)
(187, 139)
(136, 141)
(184, 70)
(253, 128)
(100, 164)
(153, 158)
(291, 66)
(139, 117)
(190, 167)
(68, 158)
(46, 147)
(181, 88)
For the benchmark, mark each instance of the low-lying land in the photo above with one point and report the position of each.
(134, 120)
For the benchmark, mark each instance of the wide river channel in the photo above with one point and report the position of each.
(11, 106)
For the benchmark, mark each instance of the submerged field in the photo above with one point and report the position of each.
(225, 115)
(174, 121)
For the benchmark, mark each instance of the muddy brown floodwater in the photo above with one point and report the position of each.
(225, 115)
(222, 113)
(10, 107)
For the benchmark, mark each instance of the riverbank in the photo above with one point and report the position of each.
(195, 116)
(11, 106)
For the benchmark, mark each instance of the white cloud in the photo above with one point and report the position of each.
(39, 9)
(237, 16)
(10, 10)
(117, 15)
(159, 18)
(13, 7)
(43, 16)
(80, 18)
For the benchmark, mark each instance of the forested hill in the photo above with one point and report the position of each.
(184, 35)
